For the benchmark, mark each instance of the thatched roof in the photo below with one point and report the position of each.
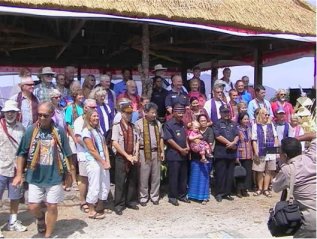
(274, 16)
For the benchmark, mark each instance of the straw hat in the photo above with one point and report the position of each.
(10, 105)
(303, 111)
(304, 101)
(159, 67)
(47, 71)
(26, 81)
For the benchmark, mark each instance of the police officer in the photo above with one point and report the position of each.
(225, 153)
(125, 141)
(176, 95)
(176, 156)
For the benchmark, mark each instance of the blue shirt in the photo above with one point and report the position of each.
(245, 96)
(229, 130)
(121, 87)
(176, 131)
(254, 104)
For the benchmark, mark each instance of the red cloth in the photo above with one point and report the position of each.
(135, 100)
(288, 108)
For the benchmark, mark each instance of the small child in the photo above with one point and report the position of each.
(196, 143)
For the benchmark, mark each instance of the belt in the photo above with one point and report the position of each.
(152, 150)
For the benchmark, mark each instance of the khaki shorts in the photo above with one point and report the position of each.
(263, 166)
(53, 194)
(82, 167)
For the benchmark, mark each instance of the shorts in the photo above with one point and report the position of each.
(52, 194)
(82, 166)
(14, 193)
(72, 145)
(263, 166)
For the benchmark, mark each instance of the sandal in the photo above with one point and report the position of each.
(41, 225)
(97, 216)
(257, 193)
(84, 208)
(267, 193)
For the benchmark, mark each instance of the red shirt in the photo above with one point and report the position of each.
(288, 108)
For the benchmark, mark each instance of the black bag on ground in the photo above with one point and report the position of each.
(285, 218)
(239, 171)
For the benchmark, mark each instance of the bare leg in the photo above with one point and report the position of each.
(14, 206)
(260, 180)
(83, 188)
(73, 169)
(51, 218)
(267, 179)
(35, 209)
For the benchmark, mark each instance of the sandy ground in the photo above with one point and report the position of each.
(241, 218)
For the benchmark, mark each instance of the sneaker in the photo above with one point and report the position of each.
(16, 226)
(1, 235)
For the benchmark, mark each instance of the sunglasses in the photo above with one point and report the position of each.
(267, 115)
(43, 115)
(282, 94)
(92, 107)
(29, 84)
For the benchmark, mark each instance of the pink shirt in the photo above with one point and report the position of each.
(201, 98)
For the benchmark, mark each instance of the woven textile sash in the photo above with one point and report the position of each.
(102, 119)
(5, 129)
(34, 105)
(269, 142)
(147, 139)
(128, 137)
(35, 150)
(213, 110)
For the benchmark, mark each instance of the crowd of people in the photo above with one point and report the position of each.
(70, 136)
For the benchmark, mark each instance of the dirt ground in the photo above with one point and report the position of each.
(241, 218)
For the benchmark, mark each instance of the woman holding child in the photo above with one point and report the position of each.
(199, 169)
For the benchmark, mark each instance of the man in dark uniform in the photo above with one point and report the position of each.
(176, 95)
(158, 97)
(176, 156)
(225, 153)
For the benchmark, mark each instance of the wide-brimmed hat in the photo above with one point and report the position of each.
(159, 67)
(47, 71)
(26, 81)
(125, 107)
(10, 105)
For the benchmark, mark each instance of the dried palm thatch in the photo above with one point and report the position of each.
(274, 16)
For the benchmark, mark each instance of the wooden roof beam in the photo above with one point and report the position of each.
(72, 35)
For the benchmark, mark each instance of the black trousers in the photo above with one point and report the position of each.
(177, 179)
(126, 190)
(224, 175)
(246, 182)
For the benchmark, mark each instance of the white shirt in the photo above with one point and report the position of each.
(207, 107)
(78, 128)
(292, 131)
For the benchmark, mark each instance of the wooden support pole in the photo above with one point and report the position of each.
(258, 67)
(144, 69)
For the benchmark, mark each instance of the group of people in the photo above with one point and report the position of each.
(63, 136)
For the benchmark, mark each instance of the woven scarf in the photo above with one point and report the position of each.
(213, 111)
(147, 139)
(35, 150)
(265, 106)
(110, 99)
(102, 118)
(128, 137)
(269, 142)
(5, 129)
(34, 105)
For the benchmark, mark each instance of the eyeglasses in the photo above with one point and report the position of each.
(92, 80)
(56, 97)
(282, 94)
(267, 115)
(29, 84)
(43, 115)
(92, 107)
